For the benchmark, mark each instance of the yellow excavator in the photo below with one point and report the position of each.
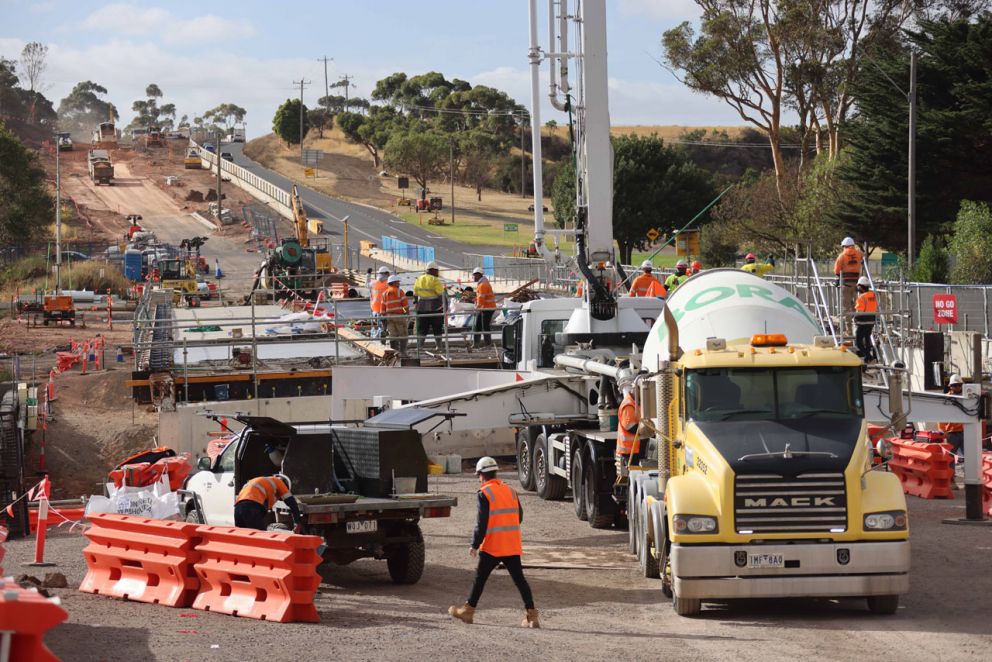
(316, 258)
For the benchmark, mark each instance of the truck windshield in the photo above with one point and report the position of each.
(773, 394)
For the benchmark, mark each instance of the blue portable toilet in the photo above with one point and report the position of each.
(132, 265)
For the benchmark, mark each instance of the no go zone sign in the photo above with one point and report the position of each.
(945, 309)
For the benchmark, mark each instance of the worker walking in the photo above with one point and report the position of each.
(258, 497)
(954, 431)
(375, 300)
(847, 269)
(628, 441)
(752, 267)
(680, 276)
(497, 540)
(485, 308)
(866, 309)
(646, 284)
(429, 293)
(395, 311)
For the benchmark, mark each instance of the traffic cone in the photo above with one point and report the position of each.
(42, 532)
(51, 386)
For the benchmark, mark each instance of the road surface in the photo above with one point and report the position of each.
(364, 222)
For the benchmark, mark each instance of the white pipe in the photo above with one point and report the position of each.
(589, 366)
(535, 130)
(556, 81)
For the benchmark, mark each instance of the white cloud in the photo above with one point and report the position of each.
(665, 10)
(131, 20)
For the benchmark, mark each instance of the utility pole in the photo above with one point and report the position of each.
(58, 221)
(911, 186)
(345, 82)
(301, 83)
(325, 60)
(451, 156)
(523, 166)
(220, 200)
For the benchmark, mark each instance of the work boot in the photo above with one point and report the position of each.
(465, 613)
(531, 619)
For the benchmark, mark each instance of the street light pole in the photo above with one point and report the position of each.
(58, 220)
(911, 185)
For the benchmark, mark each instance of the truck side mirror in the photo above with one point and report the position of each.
(204, 463)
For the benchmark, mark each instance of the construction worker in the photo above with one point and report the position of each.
(954, 431)
(628, 442)
(847, 269)
(375, 300)
(646, 284)
(866, 308)
(680, 276)
(258, 497)
(485, 308)
(496, 540)
(695, 267)
(429, 293)
(395, 311)
(752, 267)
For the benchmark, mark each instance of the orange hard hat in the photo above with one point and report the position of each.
(750, 257)
(697, 265)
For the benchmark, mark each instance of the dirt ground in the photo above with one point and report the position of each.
(599, 609)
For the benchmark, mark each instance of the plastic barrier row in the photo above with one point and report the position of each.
(987, 483)
(924, 469)
(268, 575)
(25, 617)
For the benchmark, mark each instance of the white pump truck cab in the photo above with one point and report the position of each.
(764, 486)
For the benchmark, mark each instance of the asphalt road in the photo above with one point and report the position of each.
(364, 222)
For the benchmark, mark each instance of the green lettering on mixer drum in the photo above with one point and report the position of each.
(721, 293)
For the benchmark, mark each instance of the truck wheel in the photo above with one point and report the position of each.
(578, 488)
(647, 560)
(406, 561)
(598, 516)
(883, 604)
(686, 606)
(549, 486)
(193, 517)
(525, 460)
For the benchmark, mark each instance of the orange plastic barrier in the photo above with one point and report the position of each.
(924, 469)
(141, 559)
(28, 615)
(269, 575)
(3, 537)
(146, 473)
(876, 432)
(987, 483)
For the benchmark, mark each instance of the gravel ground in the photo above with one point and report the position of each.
(598, 608)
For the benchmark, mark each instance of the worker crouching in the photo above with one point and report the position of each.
(258, 497)
(496, 541)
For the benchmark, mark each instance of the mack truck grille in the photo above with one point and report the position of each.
(771, 503)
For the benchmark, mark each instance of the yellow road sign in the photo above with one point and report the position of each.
(687, 243)
(653, 234)
(309, 172)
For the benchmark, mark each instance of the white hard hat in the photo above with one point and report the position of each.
(284, 478)
(384, 270)
(478, 270)
(848, 241)
(955, 379)
(864, 281)
(431, 265)
(395, 278)
(647, 265)
(485, 465)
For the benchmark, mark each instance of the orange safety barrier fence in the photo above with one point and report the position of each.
(70, 514)
(141, 559)
(25, 617)
(924, 469)
(268, 575)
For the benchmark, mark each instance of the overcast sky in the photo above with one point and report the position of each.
(249, 52)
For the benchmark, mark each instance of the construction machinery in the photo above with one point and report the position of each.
(192, 160)
(101, 168)
(58, 308)
(154, 137)
(63, 141)
(179, 275)
(105, 135)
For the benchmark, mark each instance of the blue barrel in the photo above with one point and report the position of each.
(132, 265)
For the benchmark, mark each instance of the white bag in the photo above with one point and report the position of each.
(153, 501)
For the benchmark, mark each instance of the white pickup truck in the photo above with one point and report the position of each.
(347, 482)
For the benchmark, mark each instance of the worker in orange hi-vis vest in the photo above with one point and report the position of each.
(955, 431)
(497, 540)
(847, 269)
(395, 312)
(646, 284)
(485, 307)
(695, 267)
(628, 441)
(866, 308)
(379, 286)
(257, 498)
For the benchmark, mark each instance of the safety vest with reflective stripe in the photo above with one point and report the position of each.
(375, 295)
(848, 264)
(394, 301)
(265, 490)
(674, 281)
(643, 285)
(627, 440)
(485, 299)
(503, 530)
(867, 303)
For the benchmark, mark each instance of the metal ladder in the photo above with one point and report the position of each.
(819, 303)
(881, 338)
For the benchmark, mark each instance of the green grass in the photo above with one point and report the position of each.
(28, 275)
